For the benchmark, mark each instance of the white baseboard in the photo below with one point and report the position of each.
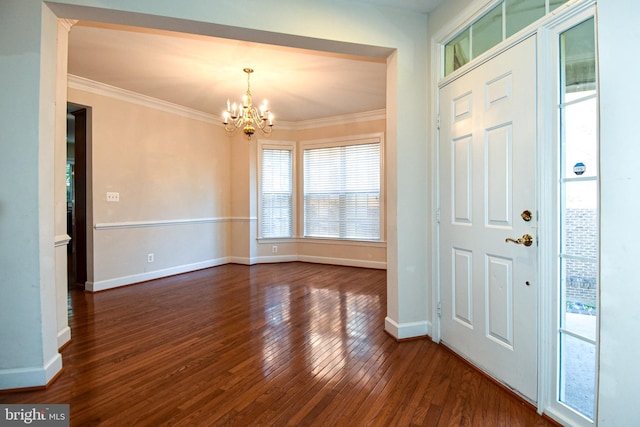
(240, 260)
(150, 275)
(157, 274)
(344, 261)
(407, 330)
(36, 376)
(312, 259)
(262, 259)
(64, 336)
(276, 259)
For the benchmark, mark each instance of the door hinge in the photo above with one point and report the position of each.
(438, 122)
(438, 216)
(439, 310)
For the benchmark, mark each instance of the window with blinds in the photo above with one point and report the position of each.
(276, 192)
(342, 191)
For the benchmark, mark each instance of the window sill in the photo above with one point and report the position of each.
(323, 241)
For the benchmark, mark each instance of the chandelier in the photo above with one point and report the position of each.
(246, 116)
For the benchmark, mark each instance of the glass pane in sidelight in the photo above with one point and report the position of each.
(578, 379)
(580, 154)
(578, 56)
(580, 298)
(580, 220)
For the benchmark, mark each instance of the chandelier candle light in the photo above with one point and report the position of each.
(246, 116)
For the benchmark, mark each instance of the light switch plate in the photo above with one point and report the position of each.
(113, 197)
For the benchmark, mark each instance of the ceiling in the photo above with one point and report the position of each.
(202, 73)
(423, 6)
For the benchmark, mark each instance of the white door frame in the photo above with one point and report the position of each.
(546, 29)
(548, 261)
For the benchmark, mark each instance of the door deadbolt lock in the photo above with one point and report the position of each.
(526, 240)
(526, 215)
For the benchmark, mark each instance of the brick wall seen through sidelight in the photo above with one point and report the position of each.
(581, 239)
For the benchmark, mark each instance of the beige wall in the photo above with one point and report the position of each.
(188, 194)
(173, 177)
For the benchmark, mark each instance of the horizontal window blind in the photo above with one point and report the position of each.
(276, 193)
(342, 191)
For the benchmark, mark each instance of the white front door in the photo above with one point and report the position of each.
(487, 160)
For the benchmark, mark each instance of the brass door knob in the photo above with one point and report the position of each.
(526, 240)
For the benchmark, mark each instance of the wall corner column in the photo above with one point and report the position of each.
(60, 192)
(28, 337)
(408, 254)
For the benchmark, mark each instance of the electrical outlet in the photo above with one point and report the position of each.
(113, 196)
(149, 257)
(274, 249)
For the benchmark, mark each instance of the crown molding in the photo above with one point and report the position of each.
(344, 119)
(103, 89)
(68, 23)
(98, 88)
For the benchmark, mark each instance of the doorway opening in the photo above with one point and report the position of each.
(76, 180)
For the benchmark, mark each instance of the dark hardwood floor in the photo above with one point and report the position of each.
(274, 344)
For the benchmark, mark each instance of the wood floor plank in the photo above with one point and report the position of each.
(270, 345)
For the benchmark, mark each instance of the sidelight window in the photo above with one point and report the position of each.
(579, 221)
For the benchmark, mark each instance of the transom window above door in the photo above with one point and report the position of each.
(500, 22)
